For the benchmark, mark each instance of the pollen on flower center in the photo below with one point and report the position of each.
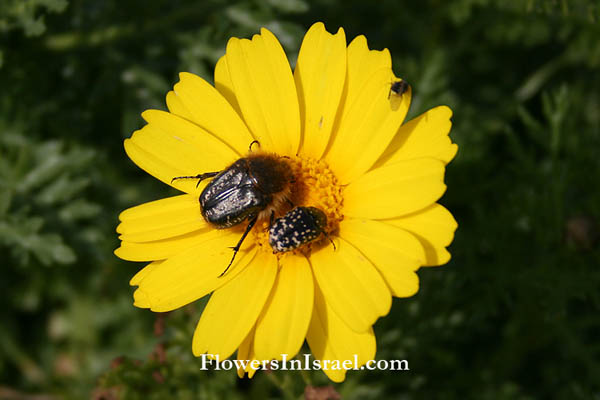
(315, 185)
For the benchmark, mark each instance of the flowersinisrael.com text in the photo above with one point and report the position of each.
(304, 363)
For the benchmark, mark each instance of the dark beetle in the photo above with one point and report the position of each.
(252, 185)
(299, 226)
(243, 190)
(399, 88)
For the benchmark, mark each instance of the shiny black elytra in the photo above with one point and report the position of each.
(242, 191)
(398, 88)
(298, 227)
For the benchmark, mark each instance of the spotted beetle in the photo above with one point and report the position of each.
(249, 189)
(299, 226)
(398, 88)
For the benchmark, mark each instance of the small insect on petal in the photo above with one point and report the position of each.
(398, 88)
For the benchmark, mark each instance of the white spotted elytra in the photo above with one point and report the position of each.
(299, 226)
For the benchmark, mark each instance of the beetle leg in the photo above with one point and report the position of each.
(271, 219)
(200, 177)
(329, 238)
(239, 244)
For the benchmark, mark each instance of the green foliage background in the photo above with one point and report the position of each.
(514, 315)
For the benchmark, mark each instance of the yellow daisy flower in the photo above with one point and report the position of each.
(338, 124)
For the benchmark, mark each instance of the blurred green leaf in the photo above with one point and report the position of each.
(28, 14)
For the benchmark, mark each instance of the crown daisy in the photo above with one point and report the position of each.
(336, 125)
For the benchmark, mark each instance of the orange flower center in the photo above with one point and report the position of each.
(314, 185)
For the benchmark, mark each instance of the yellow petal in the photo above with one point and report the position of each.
(157, 166)
(234, 308)
(368, 127)
(351, 285)
(170, 146)
(176, 106)
(320, 74)
(142, 273)
(211, 111)
(246, 352)
(395, 253)
(365, 110)
(434, 227)
(194, 272)
(265, 90)
(423, 136)
(362, 63)
(282, 325)
(141, 300)
(224, 85)
(180, 133)
(164, 248)
(395, 190)
(161, 219)
(330, 339)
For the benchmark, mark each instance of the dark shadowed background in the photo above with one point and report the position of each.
(514, 315)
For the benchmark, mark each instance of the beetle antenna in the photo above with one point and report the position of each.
(200, 177)
(239, 244)
(252, 143)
